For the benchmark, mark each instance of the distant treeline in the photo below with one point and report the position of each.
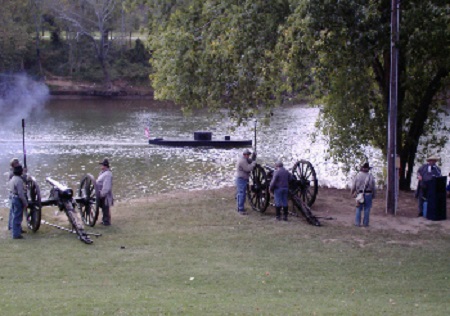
(81, 39)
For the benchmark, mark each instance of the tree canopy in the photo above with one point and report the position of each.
(251, 55)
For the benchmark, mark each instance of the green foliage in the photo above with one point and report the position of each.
(346, 44)
(15, 37)
(247, 56)
(218, 54)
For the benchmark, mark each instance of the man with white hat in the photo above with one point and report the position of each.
(244, 167)
(425, 173)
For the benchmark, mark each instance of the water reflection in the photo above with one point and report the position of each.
(67, 138)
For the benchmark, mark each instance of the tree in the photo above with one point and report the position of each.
(218, 54)
(14, 35)
(248, 56)
(90, 19)
(346, 44)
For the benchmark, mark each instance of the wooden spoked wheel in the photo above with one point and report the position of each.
(258, 189)
(305, 184)
(88, 200)
(33, 211)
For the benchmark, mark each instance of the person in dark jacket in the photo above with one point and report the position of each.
(425, 173)
(279, 187)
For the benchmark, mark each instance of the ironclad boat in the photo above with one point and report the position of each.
(201, 139)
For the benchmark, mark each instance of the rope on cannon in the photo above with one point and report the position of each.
(68, 230)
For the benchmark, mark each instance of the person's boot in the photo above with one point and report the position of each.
(278, 214)
(285, 213)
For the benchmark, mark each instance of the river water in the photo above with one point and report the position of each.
(65, 139)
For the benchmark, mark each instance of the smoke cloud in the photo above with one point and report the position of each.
(20, 97)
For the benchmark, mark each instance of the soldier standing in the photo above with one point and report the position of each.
(244, 166)
(14, 163)
(279, 187)
(18, 202)
(104, 186)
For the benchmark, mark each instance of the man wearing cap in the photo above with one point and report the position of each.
(244, 166)
(425, 173)
(104, 186)
(279, 187)
(18, 202)
(364, 182)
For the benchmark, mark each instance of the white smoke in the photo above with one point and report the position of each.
(20, 96)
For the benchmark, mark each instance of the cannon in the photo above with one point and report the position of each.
(87, 202)
(303, 189)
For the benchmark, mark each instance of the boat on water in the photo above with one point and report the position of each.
(202, 139)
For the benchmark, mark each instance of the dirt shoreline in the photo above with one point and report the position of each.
(336, 204)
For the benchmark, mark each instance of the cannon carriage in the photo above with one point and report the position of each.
(303, 189)
(87, 202)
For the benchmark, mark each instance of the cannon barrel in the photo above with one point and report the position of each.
(63, 191)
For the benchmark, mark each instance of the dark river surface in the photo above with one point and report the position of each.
(65, 139)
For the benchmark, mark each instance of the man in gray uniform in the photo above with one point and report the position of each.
(244, 166)
(18, 201)
(14, 163)
(104, 186)
(364, 182)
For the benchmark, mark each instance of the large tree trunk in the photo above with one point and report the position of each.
(409, 150)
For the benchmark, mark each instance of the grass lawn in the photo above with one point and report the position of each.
(191, 254)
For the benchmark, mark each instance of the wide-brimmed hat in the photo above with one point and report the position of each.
(433, 158)
(247, 152)
(18, 170)
(14, 161)
(105, 162)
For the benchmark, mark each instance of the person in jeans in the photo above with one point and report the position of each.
(364, 182)
(279, 187)
(18, 201)
(14, 163)
(244, 167)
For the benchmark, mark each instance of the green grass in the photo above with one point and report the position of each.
(192, 254)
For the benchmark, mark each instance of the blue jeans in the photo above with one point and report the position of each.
(366, 207)
(241, 186)
(281, 197)
(10, 219)
(17, 210)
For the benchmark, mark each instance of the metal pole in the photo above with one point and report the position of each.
(23, 144)
(255, 134)
(391, 201)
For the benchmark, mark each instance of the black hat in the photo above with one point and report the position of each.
(365, 166)
(18, 170)
(105, 162)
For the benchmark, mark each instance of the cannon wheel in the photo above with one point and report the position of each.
(258, 189)
(87, 200)
(33, 212)
(307, 183)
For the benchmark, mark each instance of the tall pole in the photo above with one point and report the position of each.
(23, 144)
(391, 200)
